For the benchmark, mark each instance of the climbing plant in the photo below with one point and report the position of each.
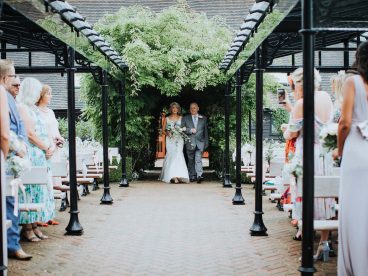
(167, 52)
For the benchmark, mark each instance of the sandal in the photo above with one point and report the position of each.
(28, 235)
(39, 234)
(53, 222)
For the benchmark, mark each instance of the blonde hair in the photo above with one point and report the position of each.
(45, 88)
(337, 81)
(175, 104)
(297, 77)
(5, 66)
(30, 91)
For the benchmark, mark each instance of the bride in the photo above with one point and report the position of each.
(174, 169)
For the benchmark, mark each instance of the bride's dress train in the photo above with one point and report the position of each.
(174, 164)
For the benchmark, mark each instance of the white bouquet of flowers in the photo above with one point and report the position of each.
(328, 136)
(16, 144)
(15, 165)
(175, 130)
(295, 166)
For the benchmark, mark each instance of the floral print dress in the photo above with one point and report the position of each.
(38, 193)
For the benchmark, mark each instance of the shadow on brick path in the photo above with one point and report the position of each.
(161, 229)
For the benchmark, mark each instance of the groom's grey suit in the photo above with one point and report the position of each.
(197, 144)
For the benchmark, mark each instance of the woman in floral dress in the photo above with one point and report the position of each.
(39, 148)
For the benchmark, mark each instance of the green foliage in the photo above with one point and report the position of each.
(217, 121)
(83, 129)
(170, 50)
(115, 175)
(63, 127)
(279, 116)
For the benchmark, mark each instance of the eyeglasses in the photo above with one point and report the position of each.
(16, 85)
(12, 76)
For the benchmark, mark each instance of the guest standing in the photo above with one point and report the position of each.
(52, 124)
(323, 207)
(353, 147)
(7, 74)
(40, 147)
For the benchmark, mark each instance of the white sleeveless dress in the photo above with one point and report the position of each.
(353, 214)
(174, 163)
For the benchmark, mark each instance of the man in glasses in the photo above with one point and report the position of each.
(14, 88)
(7, 80)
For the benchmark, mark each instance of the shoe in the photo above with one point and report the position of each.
(53, 222)
(20, 255)
(39, 234)
(323, 252)
(200, 179)
(192, 180)
(295, 238)
(29, 235)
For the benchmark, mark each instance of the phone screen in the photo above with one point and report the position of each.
(281, 94)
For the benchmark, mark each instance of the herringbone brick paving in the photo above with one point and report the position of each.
(160, 229)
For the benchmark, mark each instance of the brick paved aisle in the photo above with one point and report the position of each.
(161, 229)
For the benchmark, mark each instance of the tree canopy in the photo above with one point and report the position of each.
(170, 50)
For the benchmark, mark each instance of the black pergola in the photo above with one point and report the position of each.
(21, 28)
(262, 48)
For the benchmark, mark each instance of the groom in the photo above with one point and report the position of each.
(196, 129)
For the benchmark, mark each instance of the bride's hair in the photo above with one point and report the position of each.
(175, 104)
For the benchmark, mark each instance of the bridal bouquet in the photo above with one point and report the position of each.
(328, 136)
(176, 130)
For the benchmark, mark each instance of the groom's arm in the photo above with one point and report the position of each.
(184, 124)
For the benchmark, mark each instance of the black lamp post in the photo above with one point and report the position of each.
(226, 163)
(307, 32)
(106, 197)
(74, 227)
(258, 228)
(124, 180)
(238, 197)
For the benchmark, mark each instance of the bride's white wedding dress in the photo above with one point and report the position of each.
(174, 163)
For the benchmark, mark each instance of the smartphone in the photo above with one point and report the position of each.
(281, 93)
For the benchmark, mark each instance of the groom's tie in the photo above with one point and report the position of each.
(195, 121)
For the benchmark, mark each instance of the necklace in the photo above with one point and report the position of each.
(44, 109)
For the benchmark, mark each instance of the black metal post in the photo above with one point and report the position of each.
(346, 54)
(307, 32)
(258, 228)
(226, 180)
(124, 180)
(250, 125)
(74, 227)
(106, 197)
(3, 47)
(238, 197)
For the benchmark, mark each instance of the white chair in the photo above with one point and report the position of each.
(325, 186)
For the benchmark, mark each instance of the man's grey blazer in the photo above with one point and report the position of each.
(200, 138)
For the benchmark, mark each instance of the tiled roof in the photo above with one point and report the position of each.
(231, 10)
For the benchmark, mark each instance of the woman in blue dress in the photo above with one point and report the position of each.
(39, 147)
